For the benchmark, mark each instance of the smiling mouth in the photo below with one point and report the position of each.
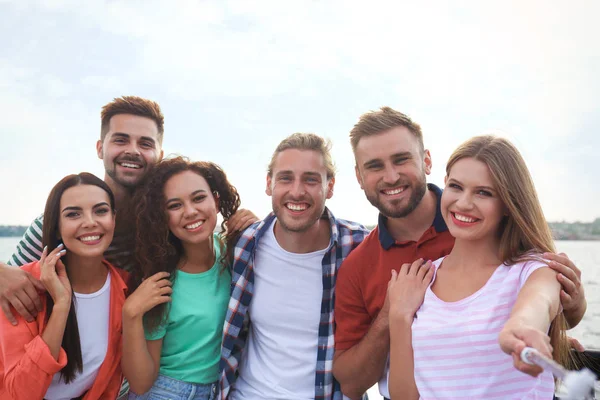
(297, 206)
(90, 239)
(464, 218)
(393, 191)
(129, 165)
(195, 225)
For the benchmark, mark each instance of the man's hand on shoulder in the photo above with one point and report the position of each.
(241, 220)
(19, 289)
(572, 296)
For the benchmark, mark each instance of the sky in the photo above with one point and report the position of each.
(236, 77)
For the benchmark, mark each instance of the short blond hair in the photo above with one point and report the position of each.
(306, 141)
(376, 122)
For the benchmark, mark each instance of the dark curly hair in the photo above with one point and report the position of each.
(156, 248)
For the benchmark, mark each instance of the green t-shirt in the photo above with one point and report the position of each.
(193, 330)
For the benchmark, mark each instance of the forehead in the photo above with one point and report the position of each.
(133, 125)
(387, 143)
(184, 183)
(470, 171)
(83, 195)
(299, 162)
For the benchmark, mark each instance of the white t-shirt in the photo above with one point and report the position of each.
(93, 312)
(280, 358)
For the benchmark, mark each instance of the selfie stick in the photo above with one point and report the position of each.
(578, 384)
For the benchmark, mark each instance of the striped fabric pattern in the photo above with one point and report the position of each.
(455, 344)
(29, 248)
(345, 236)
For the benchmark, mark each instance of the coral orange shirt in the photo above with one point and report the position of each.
(27, 366)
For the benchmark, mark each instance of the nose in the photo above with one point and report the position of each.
(132, 149)
(189, 210)
(297, 189)
(89, 220)
(464, 201)
(390, 175)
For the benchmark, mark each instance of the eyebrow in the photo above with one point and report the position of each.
(191, 195)
(75, 208)
(290, 172)
(127, 136)
(402, 154)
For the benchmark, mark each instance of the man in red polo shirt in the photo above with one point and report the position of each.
(391, 168)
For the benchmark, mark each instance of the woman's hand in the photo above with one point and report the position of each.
(515, 337)
(54, 276)
(406, 289)
(152, 292)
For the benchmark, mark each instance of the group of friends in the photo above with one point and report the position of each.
(127, 289)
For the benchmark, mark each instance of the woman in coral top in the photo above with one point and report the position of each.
(73, 348)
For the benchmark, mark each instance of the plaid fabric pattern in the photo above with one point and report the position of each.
(345, 236)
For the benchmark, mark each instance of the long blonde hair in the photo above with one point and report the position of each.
(524, 232)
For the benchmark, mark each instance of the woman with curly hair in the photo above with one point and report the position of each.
(173, 323)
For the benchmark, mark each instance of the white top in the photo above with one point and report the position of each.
(280, 358)
(456, 348)
(93, 311)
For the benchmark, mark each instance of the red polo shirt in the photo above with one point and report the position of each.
(362, 280)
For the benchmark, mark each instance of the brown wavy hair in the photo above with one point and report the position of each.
(50, 237)
(157, 249)
(524, 232)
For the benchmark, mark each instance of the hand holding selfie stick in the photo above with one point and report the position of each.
(577, 384)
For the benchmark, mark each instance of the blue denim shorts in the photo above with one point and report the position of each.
(166, 388)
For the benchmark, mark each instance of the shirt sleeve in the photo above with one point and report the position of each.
(351, 315)
(26, 361)
(156, 334)
(528, 268)
(29, 248)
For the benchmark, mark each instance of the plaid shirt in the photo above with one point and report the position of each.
(345, 236)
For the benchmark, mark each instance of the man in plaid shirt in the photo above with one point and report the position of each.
(279, 329)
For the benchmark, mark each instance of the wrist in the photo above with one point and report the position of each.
(398, 317)
(130, 313)
(62, 305)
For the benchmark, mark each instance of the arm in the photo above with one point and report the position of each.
(406, 291)
(141, 357)
(361, 342)
(18, 288)
(536, 306)
(572, 295)
(30, 361)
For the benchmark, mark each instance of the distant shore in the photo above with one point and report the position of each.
(560, 230)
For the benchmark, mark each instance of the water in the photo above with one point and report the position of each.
(585, 254)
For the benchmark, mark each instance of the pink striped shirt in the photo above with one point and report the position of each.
(456, 350)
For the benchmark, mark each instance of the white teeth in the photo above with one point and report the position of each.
(296, 207)
(464, 218)
(393, 191)
(194, 225)
(135, 166)
(89, 238)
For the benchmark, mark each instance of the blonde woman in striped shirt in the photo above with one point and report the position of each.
(458, 324)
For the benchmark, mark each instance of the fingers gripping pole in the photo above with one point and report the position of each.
(577, 384)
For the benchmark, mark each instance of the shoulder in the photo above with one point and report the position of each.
(356, 260)
(351, 228)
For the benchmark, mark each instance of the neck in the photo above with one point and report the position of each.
(418, 221)
(197, 257)
(86, 274)
(467, 254)
(313, 239)
(122, 194)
